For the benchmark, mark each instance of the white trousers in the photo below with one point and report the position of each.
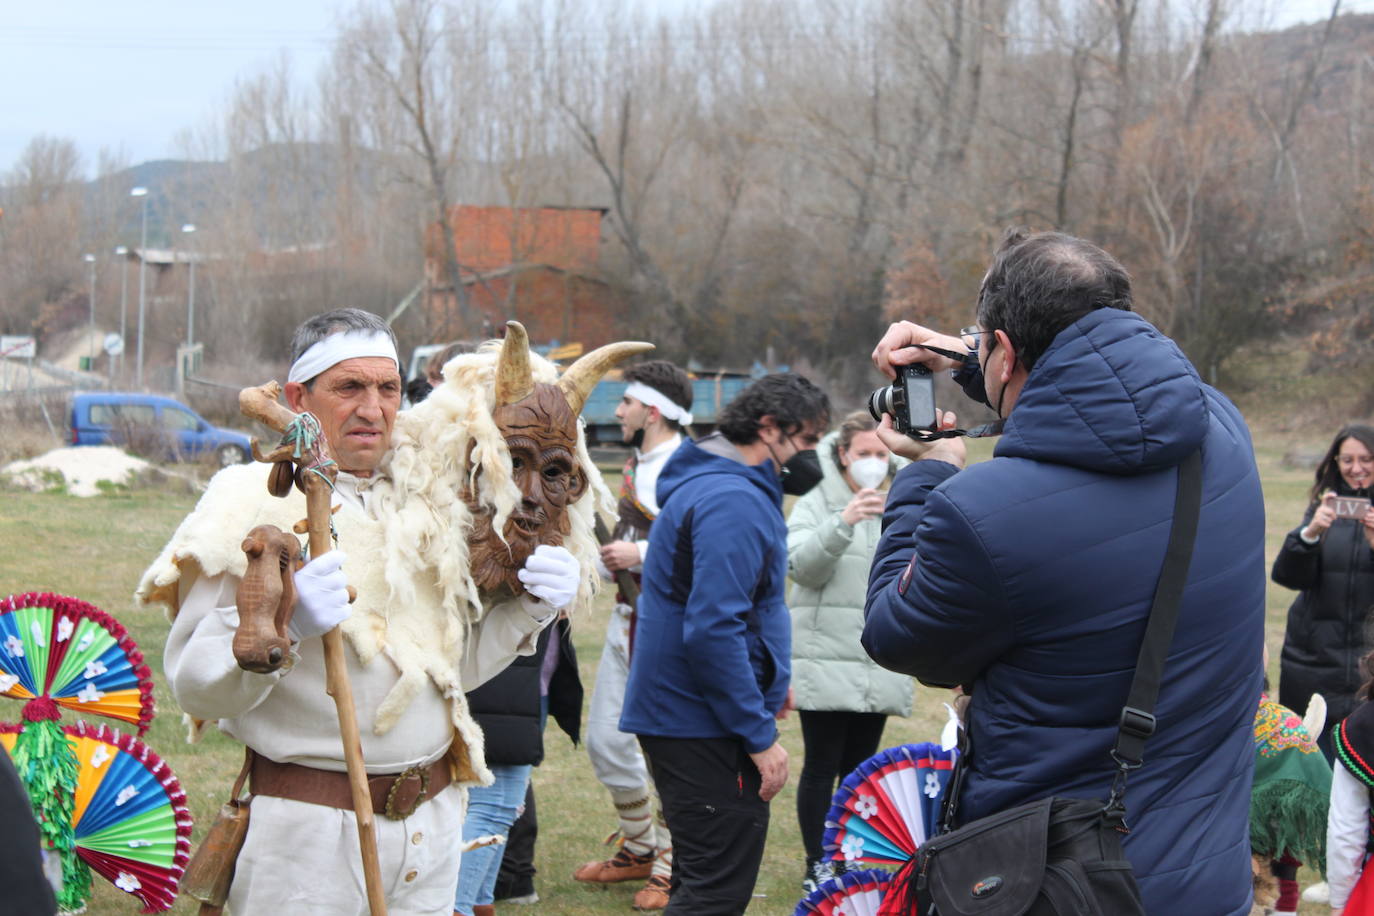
(303, 859)
(615, 755)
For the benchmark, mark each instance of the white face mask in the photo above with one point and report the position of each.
(868, 472)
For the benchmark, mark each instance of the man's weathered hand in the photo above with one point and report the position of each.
(950, 450)
(551, 574)
(619, 555)
(772, 764)
(321, 596)
(897, 348)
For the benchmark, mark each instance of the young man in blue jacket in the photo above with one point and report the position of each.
(1028, 578)
(710, 669)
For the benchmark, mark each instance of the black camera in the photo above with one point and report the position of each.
(910, 400)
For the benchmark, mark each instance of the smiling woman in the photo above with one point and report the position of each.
(1329, 558)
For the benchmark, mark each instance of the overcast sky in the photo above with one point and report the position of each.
(127, 75)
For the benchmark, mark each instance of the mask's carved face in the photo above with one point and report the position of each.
(541, 434)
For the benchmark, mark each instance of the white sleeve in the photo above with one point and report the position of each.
(509, 629)
(199, 657)
(1347, 833)
(643, 551)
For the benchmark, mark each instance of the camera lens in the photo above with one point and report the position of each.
(880, 402)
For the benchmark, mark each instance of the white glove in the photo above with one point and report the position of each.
(321, 596)
(551, 574)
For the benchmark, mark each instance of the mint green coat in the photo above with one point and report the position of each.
(828, 564)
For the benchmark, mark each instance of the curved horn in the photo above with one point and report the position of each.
(514, 381)
(577, 383)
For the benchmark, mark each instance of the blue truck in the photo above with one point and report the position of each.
(709, 394)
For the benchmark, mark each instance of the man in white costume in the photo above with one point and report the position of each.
(459, 553)
(653, 412)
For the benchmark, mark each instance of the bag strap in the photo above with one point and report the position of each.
(1137, 716)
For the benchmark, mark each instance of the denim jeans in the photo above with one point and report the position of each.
(491, 810)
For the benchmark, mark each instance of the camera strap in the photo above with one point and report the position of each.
(978, 432)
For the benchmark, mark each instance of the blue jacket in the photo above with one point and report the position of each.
(713, 638)
(1031, 576)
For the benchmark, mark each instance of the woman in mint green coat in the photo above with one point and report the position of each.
(842, 696)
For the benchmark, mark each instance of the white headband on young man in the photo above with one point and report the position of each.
(334, 349)
(652, 397)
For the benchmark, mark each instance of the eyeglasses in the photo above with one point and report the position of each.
(970, 335)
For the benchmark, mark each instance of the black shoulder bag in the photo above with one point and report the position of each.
(1062, 856)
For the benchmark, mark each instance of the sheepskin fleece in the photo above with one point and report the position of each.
(420, 498)
(419, 638)
(410, 554)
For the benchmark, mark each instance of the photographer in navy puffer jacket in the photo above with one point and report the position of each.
(1028, 578)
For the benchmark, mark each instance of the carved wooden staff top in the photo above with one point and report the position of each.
(302, 458)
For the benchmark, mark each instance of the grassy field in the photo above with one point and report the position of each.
(96, 548)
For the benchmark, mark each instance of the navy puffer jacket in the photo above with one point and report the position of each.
(1031, 576)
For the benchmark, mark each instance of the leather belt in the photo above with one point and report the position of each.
(395, 796)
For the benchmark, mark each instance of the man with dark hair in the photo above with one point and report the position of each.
(710, 669)
(656, 406)
(1028, 579)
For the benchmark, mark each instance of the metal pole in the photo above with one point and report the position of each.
(191, 307)
(142, 287)
(90, 333)
(123, 305)
(188, 230)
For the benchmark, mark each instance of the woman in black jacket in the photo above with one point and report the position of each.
(510, 709)
(1330, 560)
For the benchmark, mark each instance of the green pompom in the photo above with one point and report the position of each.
(48, 767)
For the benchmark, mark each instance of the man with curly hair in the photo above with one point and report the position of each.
(654, 410)
(710, 670)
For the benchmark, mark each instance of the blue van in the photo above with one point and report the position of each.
(153, 424)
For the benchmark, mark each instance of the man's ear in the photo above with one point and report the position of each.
(769, 433)
(295, 392)
(1010, 358)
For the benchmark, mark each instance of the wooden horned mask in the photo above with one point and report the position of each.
(539, 423)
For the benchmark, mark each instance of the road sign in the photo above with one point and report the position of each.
(17, 346)
(114, 344)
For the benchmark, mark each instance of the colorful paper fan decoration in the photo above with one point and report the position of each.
(58, 651)
(855, 893)
(130, 821)
(887, 807)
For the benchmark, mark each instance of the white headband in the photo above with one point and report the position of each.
(655, 398)
(334, 349)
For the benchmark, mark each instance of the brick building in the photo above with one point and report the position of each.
(537, 265)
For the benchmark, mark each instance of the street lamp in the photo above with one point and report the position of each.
(189, 228)
(90, 334)
(123, 253)
(142, 278)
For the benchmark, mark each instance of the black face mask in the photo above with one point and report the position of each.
(801, 473)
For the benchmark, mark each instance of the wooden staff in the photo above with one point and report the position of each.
(262, 404)
(629, 589)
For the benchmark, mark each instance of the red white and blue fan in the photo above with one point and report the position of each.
(59, 651)
(129, 823)
(855, 893)
(889, 805)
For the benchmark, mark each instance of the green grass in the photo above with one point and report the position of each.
(96, 548)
